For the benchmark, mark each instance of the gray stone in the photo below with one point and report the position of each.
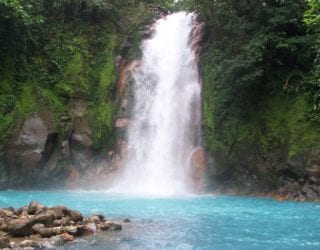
(309, 193)
(75, 215)
(36, 207)
(20, 227)
(313, 180)
(46, 218)
(29, 243)
(4, 213)
(22, 210)
(110, 226)
(47, 232)
(127, 221)
(94, 219)
(66, 237)
(73, 230)
(36, 228)
(23, 227)
(314, 170)
(29, 148)
(61, 212)
(88, 229)
(56, 241)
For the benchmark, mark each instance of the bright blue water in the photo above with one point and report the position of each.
(203, 222)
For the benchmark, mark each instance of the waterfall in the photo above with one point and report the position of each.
(165, 124)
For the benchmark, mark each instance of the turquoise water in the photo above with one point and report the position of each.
(195, 222)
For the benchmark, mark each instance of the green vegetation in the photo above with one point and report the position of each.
(27, 102)
(312, 20)
(261, 79)
(75, 81)
(53, 52)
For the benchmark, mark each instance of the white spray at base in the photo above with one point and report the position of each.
(165, 124)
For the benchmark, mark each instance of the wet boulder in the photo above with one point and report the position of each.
(126, 221)
(73, 230)
(61, 212)
(29, 244)
(75, 215)
(66, 237)
(23, 226)
(4, 213)
(36, 228)
(46, 232)
(20, 227)
(87, 229)
(22, 210)
(46, 218)
(36, 207)
(56, 241)
(110, 226)
(95, 219)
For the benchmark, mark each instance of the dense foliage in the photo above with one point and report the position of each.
(261, 81)
(312, 19)
(55, 51)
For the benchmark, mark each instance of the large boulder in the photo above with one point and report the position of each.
(87, 229)
(46, 218)
(29, 148)
(110, 226)
(23, 226)
(5, 213)
(36, 228)
(36, 207)
(47, 232)
(29, 244)
(314, 170)
(66, 237)
(20, 227)
(61, 212)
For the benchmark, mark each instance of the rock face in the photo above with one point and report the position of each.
(270, 175)
(198, 168)
(55, 225)
(43, 153)
(25, 150)
(81, 151)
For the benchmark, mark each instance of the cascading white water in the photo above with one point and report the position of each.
(166, 116)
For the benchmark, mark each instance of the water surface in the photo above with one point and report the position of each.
(192, 222)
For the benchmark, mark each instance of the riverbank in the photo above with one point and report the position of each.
(293, 192)
(38, 226)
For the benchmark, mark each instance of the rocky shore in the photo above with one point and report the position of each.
(36, 226)
(301, 190)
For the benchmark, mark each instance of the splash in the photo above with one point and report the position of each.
(165, 125)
